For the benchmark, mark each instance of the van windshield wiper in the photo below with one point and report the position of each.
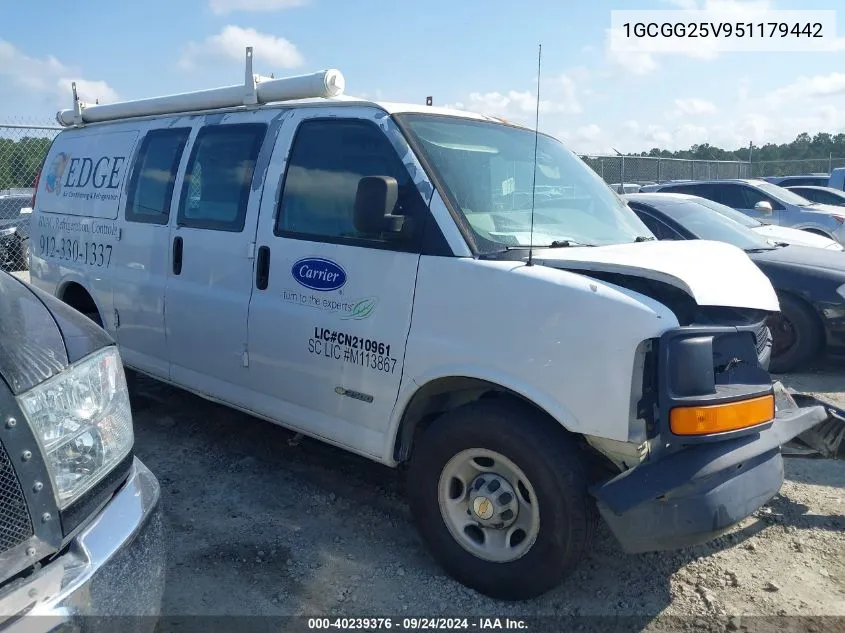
(566, 243)
(554, 244)
(644, 238)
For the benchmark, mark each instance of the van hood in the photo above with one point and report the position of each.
(712, 273)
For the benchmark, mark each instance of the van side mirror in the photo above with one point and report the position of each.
(375, 201)
(764, 206)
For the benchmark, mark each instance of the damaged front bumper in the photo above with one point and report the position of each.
(698, 493)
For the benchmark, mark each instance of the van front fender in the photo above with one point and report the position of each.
(446, 378)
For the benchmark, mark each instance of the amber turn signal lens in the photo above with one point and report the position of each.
(718, 418)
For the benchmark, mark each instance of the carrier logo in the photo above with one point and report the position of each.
(53, 179)
(320, 274)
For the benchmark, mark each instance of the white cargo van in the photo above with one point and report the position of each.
(360, 272)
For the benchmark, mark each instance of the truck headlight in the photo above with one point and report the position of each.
(83, 422)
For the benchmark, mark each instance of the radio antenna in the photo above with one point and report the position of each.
(534, 179)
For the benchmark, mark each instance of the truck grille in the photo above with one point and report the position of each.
(15, 524)
(763, 337)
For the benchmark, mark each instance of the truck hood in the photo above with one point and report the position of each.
(712, 273)
(41, 335)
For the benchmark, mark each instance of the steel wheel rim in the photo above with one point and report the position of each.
(466, 517)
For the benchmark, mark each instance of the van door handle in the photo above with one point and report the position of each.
(177, 255)
(262, 268)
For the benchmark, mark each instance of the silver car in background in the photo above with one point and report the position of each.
(766, 202)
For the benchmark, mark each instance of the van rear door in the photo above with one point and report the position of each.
(141, 268)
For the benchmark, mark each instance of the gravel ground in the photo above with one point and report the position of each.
(265, 523)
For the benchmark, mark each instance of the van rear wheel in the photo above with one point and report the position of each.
(499, 495)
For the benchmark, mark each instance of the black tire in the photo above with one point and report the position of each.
(549, 459)
(797, 335)
(23, 252)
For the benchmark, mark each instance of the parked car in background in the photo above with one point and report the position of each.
(15, 215)
(772, 232)
(810, 282)
(820, 179)
(81, 530)
(822, 195)
(768, 203)
(837, 179)
(628, 187)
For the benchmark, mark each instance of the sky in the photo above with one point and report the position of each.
(476, 55)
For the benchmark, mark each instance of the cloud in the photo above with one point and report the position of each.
(222, 7)
(694, 107)
(733, 9)
(731, 132)
(231, 43)
(636, 62)
(87, 90)
(591, 132)
(742, 89)
(520, 106)
(49, 77)
(808, 88)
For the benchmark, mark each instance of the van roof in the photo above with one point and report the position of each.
(324, 87)
(389, 107)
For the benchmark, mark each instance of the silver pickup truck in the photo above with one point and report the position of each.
(81, 537)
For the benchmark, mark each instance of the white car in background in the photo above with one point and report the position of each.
(773, 232)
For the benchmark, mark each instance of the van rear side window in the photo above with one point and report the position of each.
(151, 187)
(217, 182)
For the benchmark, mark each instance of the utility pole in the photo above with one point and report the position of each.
(750, 155)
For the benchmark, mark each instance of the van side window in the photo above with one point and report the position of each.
(327, 159)
(219, 175)
(151, 186)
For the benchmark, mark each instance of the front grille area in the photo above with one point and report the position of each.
(15, 524)
(762, 337)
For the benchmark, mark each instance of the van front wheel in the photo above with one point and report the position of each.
(499, 495)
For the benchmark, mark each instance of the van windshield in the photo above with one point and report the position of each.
(487, 171)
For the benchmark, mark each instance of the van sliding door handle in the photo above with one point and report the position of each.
(177, 255)
(262, 268)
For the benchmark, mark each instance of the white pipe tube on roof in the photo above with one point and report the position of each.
(325, 83)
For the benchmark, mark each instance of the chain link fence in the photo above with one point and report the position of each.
(763, 168)
(23, 146)
(644, 170)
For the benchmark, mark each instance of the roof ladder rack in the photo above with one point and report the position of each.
(256, 90)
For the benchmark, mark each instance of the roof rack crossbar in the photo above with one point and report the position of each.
(255, 90)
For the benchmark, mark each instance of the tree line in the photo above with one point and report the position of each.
(20, 160)
(804, 147)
